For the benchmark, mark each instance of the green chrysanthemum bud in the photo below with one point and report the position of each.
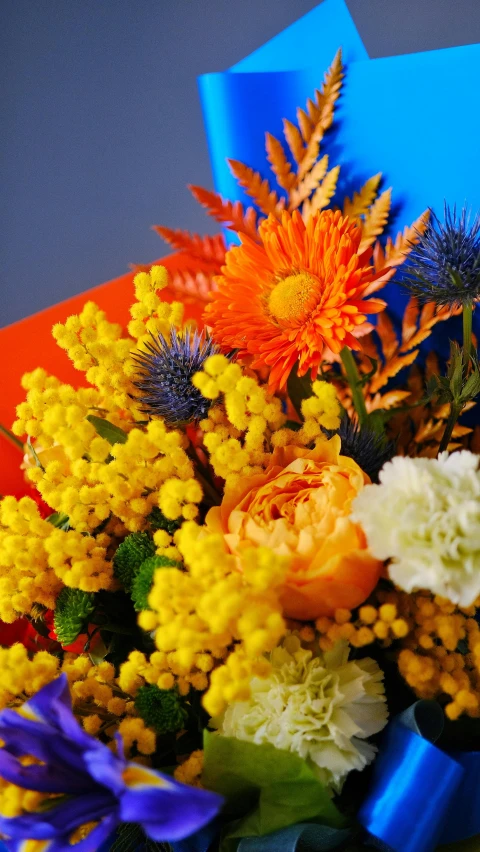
(129, 556)
(158, 521)
(143, 579)
(161, 709)
(71, 613)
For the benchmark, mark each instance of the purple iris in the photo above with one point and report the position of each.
(95, 784)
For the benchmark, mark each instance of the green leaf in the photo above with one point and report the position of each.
(471, 388)
(293, 425)
(59, 520)
(455, 370)
(267, 788)
(298, 388)
(112, 434)
(37, 461)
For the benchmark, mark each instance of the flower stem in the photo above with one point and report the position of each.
(455, 410)
(12, 438)
(354, 382)
(467, 335)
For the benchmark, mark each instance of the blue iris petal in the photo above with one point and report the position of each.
(94, 779)
(172, 814)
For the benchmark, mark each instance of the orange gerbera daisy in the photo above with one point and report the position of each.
(297, 293)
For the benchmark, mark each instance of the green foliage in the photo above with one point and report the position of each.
(161, 709)
(158, 521)
(112, 434)
(130, 837)
(299, 388)
(72, 611)
(129, 556)
(59, 520)
(142, 582)
(244, 772)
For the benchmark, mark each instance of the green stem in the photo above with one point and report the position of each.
(467, 335)
(452, 419)
(12, 438)
(354, 381)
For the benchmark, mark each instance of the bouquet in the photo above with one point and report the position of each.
(240, 591)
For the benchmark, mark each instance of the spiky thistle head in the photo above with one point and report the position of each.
(165, 376)
(366, 447)
(444, 266)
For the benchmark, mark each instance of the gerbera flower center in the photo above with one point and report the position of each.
(291, 298)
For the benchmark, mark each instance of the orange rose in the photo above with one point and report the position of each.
(300, 507)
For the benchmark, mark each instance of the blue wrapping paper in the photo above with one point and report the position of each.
(412, 117)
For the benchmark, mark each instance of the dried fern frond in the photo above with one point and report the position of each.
(279, 163)
(228, 213)
(313, 126)
(294, 140)
(386, 333)
(206, 248)
(376, 219)
(363, 199)
(395, 253)
(309, 184)
(257, 188)
(428, 318)
(322, 194)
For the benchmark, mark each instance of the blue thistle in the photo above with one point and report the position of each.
(444, 267)
(366, 447)
(165, 380)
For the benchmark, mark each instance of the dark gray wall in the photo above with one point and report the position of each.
(102, 126)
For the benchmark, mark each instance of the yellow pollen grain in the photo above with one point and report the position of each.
(291, 298)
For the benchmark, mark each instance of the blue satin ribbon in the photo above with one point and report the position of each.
(392, 117)
(421, 796)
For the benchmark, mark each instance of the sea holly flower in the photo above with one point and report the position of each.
(301, 291)
(444, 266)
(165, 379)
(94, 785)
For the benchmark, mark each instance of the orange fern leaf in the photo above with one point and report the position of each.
(228, 213)
(375, 219)
(362, 199)
(278, 161)
(386, 333)
(410, 320)
(429, 317)
(206, 248)
(260, 190)
(322, 194)
(304, 124)
(391, 369)
(294, 140)
(320, 114)
(308, 184)
(397, 252)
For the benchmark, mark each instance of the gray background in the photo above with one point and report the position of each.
(102, 126)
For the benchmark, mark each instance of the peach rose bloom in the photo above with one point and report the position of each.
(300, 507)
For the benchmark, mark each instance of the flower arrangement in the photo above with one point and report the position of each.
(254, 540)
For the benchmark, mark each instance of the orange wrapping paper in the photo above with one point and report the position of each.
(28, 343)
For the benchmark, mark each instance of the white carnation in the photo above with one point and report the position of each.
(425, 516)
(323, 708)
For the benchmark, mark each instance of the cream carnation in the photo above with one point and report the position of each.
(323, 708)
(425, 516)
